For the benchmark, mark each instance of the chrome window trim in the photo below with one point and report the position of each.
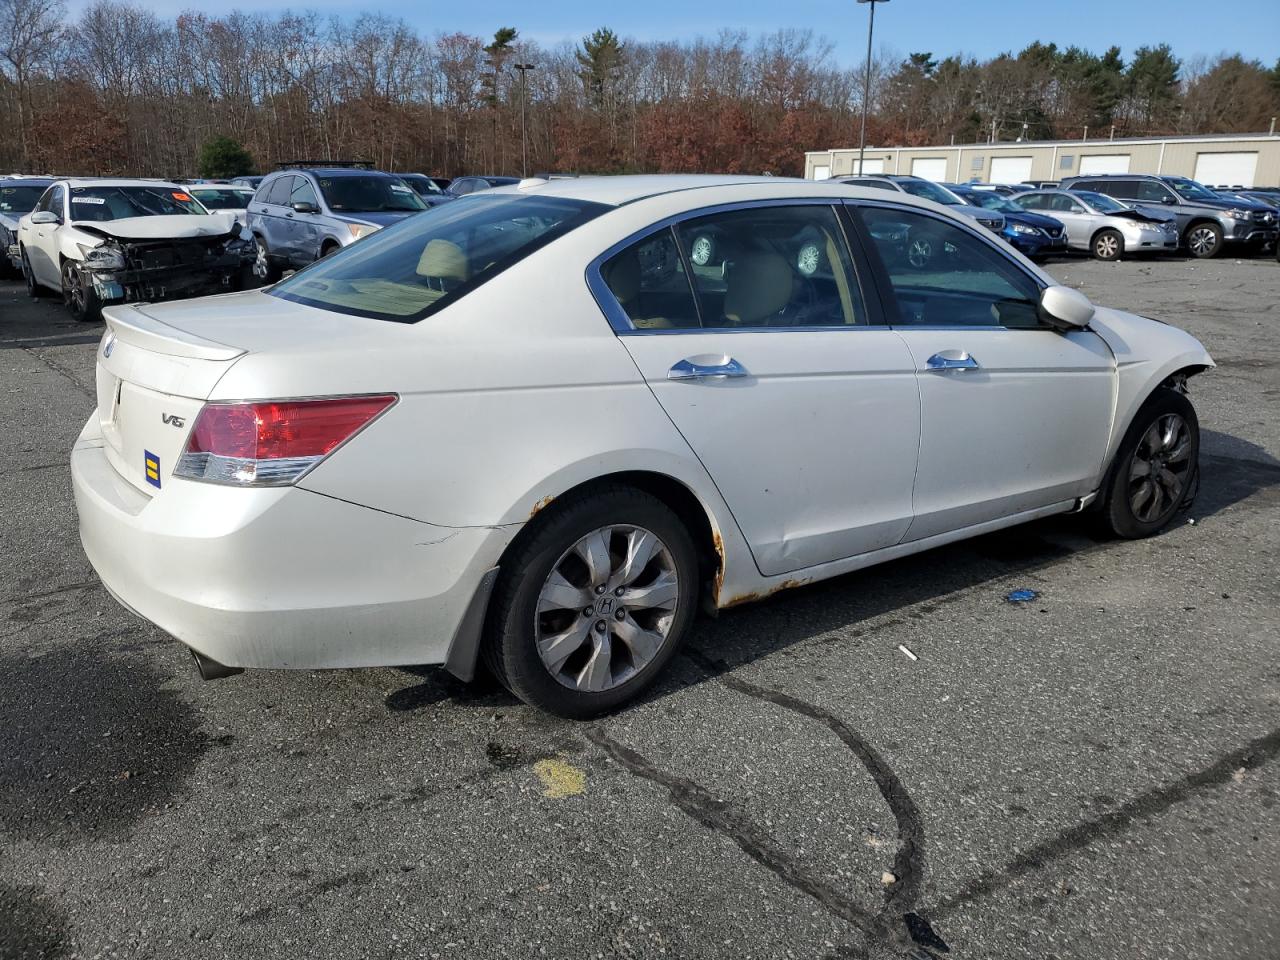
(621, 323)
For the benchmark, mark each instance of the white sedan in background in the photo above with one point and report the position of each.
(542, 424)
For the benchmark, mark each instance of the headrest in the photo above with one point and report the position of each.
(444, 260)
(622, 274)
(759, 285)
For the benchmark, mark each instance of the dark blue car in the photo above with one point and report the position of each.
(1033, 234)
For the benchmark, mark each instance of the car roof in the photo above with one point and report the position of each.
(26, 181)
(616, 191)
(77, 182)
(337, 172)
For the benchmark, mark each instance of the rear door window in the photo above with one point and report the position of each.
(279, 191)
(772, 266)
(1152, 191)
(649, 282)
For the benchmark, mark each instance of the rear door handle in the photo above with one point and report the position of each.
(691, 369)
(952, 360)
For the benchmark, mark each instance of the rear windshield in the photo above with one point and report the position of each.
(120, 203)
(19, 199)
(1101, 202)
(223, 198)
(368, 194)
(420, 265)
(425, 186)
(930, 191)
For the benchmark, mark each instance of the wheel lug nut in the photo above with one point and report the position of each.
(600, 626)
(599, 590)
(618, 592)
(621, 614)
(589, 611)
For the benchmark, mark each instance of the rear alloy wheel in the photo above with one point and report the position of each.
(1107, 245)
(1156, 468)
(1204, 240)
(78, 294)
(593, 605)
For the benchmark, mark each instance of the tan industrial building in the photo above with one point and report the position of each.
(1238, 160)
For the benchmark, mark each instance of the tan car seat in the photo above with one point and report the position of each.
(445, 262)
(759, 285)
(622, 274)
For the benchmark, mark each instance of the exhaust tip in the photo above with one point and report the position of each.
(211, 669)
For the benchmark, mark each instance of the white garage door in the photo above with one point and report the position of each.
(822, 173)
(1010, 169)
(931, 168)
(1226, 169)
(1105, 163)
(873, 166)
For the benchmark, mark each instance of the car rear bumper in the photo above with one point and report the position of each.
(278, 578)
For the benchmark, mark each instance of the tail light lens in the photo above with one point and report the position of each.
(272, 443)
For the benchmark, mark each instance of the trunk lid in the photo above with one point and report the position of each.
(152, 380)
(159, 362)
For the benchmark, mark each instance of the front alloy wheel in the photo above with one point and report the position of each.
(1156, 469)
(33, 288)
(266, 271)
(1108, 245)
(78, 295)
(1204, 240)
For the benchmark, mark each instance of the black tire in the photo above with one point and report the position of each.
(1118, 514)
(265, 268)
(33, 288)
(327, 249)
(1107, 245)
(509, 648)
(1203, 240)
(78, 295)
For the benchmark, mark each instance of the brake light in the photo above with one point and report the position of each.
(272, 443)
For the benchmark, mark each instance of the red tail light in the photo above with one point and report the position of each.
(270, 443)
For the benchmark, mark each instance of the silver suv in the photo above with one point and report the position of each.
(1206, 221)
(993, 220)
(307, 210)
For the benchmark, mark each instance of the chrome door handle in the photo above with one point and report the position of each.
(688, 369)
(952, 360)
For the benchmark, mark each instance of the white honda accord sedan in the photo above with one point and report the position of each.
(542, 425)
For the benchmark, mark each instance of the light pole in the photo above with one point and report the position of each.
(866, 84)
(524, 139)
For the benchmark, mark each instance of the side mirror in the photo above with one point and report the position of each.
(1168, 200)
(45, 216)
(302, 206)
(1065, 308)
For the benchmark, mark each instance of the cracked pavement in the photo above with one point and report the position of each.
(1090, 775)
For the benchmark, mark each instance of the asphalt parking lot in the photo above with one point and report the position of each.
(1090, 775)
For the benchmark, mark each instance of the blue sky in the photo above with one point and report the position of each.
(1251, 27)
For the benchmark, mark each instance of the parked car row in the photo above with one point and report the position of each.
(99, 241)
(1111, 215)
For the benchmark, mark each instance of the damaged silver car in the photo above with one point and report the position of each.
(123, 241)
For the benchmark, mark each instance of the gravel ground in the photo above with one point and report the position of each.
(1092, 775)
